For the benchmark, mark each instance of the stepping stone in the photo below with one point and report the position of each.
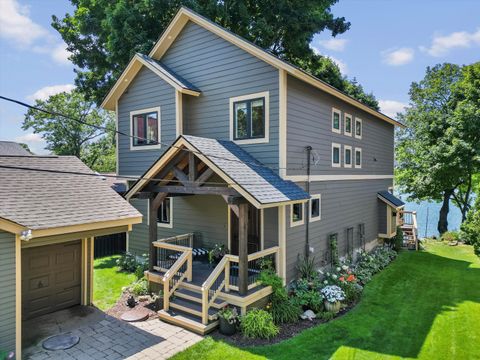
(60, 342)
(138, 313)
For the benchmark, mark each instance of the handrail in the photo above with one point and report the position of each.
(178, 264)
(168, 276)
(263, 253)
(215, 273)
(171, 246)
(188, 236)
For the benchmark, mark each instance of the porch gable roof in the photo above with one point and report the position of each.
(259, 184)
(390, 199)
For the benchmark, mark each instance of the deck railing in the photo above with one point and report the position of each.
(225, 276)
(408, 223)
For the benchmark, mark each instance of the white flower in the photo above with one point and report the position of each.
(344, 267)
(334, 276)
(325, 282)
(328, 274)
(338, 269)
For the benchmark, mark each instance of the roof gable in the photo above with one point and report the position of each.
(390, 199)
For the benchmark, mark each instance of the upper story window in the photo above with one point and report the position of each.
(336, 155)
(297, 215)
(358, 128)
(336, 121)
(164, 215)
(315, 207)
(145, 129)
(358, 157)
(347, 156)
(249, 118)
(348, 124)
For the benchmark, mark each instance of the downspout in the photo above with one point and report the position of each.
(307, 217)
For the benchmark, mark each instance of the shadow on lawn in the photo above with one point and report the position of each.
(396, 312)
(106, 262)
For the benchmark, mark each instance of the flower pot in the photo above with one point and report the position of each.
(332, 307)
(226, 328)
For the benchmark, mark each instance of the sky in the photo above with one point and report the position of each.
(389, 44)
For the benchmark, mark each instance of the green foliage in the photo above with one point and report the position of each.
(450, 236)
(132, 263)
(306, 268)
(307, 295)
(94, 146)
(103, 35)
(371, 263)
(470, 229)
(258, 324)
(230, 314)
(398, 239)
(326, 315)
(352, 291)
(217, 253)
(334, 252)
(140, 287)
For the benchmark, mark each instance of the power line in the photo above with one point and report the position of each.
(98, 127)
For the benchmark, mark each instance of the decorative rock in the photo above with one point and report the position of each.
(60, 342)
(143, 298)
(453, 243)
(309, 314)
(137, 314)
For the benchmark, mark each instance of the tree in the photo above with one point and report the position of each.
(103, 35)
(470, 229)
(434, 152)
(94, 146)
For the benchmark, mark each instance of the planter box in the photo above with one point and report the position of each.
(226, 328)
(332, 307)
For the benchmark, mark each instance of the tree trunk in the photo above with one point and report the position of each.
(443, 218)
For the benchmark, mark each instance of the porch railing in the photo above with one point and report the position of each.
(408, 223)
(225, 276)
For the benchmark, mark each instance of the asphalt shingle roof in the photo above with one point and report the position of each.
(265, 185)
(12, 148)
(386, 195)
(42, 200)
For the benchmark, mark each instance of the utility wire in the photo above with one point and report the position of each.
(98, 127)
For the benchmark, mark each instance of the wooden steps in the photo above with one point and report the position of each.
(187, 322)
(196, 297)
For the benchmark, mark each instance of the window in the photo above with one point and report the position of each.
(297, 217)
(336, 116)
(358, 128)
(358, 158)
(315, 207)
(145, 129)
(164, 214)
(336, 155)
(347, 124)
(347, 156)
(249, 118)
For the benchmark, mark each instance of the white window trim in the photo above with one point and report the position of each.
(339, 130)
(355, 158)
(319, 217)
(266, 96)
(345, 148)
(361, 128)
(335, 145)
(170, 224)
(299, 222)
(146, 147)
(352, 123)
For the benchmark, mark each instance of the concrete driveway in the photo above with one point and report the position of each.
(104, 337)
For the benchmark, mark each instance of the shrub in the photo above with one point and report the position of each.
(470, 229)
(285, 312)
(352, 291)
(333, 293)
(371, 263)
(140, 287)
(130, 262)
(326, 315)
(258, 324)
(306, 268)
(398, 239)
(230, 314)
(450, 236)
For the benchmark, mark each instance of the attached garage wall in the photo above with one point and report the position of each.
(7, 293)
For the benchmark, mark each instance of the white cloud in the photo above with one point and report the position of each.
(441, 45)
(391, 107)
(334, 44)
(398, 56)
(34, 142)
(47, 91)
(16, 25)
(60, 54)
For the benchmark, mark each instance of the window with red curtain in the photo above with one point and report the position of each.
(145, 129)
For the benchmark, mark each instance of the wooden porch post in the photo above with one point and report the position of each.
(153, 204)
(243, 248)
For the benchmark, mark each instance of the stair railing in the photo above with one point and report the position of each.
(181, 269)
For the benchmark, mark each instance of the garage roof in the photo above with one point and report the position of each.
(40, 198)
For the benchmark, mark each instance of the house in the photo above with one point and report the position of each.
(51, 209)
(12, 148)
(238, 149)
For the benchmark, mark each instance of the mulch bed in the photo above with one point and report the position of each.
(287, 331)
(121, 306)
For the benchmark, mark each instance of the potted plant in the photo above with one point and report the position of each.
(216, 254)
(228, 320)
(332, 295)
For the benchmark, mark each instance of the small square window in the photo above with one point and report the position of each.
(348, 125)
(297, 217)
(358, 128)
(145, 129)
(164, 214)
(358, 157)
(336, 155)
(347, 161)
(336, 116)
(315, 207)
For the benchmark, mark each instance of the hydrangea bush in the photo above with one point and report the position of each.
(333, 293)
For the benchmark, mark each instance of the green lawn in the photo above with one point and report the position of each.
(108, 282)
(425, 305)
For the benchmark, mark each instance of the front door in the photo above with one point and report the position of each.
(254, 226)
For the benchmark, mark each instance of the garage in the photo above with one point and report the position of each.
(51, 278)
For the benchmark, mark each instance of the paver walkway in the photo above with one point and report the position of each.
(111, 339)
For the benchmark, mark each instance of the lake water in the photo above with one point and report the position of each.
(428, 227)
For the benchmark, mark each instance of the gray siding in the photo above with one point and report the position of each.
(7, 295)
(204, 215)
(344, 204)
(270, 227)
(221, 70)
(147, 90)
(309, 122)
